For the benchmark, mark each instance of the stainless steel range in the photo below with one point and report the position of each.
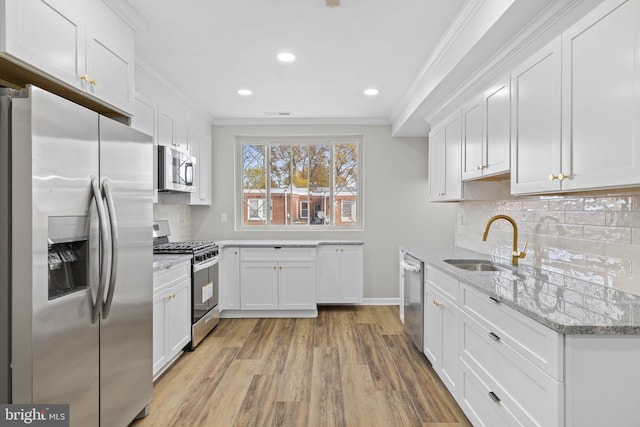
(205, 312)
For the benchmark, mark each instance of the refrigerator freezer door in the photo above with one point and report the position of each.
(55, 351)
(126, 328)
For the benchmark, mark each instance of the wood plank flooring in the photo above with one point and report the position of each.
(351, 366)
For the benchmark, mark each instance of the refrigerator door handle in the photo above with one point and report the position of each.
(106, 187)
(104, 244)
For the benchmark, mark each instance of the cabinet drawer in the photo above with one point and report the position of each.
(478, 405)
(533, 396)
(275, 254)
(537, 343)
(169, 276)
(443, 283)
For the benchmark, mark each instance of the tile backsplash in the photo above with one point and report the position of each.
(179, 217)
(588, 236)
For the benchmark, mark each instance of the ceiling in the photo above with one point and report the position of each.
(208, 49)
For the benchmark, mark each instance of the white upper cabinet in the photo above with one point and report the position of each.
(601, 98)
(472, 139)
(445, 181)
(536, 121)
(486, 133)
(496, 104)
(81, 44)
(576, 106)
(201, 149)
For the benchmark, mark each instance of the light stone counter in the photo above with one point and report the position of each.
(161, 261)
(284, 243)
(562, 303)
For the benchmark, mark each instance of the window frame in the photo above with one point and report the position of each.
(268, 142)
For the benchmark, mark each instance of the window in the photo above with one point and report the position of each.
(287, 176)
(304, 209)
(348, 212)
(255, 208)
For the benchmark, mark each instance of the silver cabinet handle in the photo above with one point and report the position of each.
(115, 243)
(104, 243)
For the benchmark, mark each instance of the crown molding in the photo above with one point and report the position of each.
(340, 121)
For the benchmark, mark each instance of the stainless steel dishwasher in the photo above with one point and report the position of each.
(413, 298)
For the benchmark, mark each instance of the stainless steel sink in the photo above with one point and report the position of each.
(477, 265)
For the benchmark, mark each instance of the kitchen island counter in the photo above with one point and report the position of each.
(562, 303)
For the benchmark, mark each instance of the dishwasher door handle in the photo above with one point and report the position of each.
(409, 266)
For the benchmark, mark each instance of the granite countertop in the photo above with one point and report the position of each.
(161, 261)
(562, 303)
(284, 243)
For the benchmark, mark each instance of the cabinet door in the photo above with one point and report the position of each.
(445, 181)
(436, 165)
(160, 344)
(259, 285)
(453, 141)
(450, 358)
(110, 70)
(432, 328)
(229, 273)
(296, 285)
(165, 129)
(201, 150)
(48, 35)
(350, 273)
(328, 290)
(601, 98)
(497, 128)
(181, 136)
(179, 317)
(472, 140)
(536, 124)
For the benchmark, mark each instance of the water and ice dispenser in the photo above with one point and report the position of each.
(68, 243)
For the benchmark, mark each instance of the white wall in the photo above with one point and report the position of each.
(396, 208)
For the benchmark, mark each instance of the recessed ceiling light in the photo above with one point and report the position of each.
(371, 92)
(286, 57)
(245, 92)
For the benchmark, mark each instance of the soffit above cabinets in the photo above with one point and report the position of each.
(417, 53)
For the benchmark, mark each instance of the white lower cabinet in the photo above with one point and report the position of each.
(277, 279)
(171, 314)
(340, 274)
(229, 279)
(441, 327)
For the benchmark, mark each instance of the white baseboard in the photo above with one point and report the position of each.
(380, 301)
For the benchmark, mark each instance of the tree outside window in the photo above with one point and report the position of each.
(288, 176)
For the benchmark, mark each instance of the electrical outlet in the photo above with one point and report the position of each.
(223, 217)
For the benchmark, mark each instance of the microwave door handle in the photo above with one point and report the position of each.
(188, 174)
(115, 243)
(104, 244)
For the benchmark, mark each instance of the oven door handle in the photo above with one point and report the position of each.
(211, 262)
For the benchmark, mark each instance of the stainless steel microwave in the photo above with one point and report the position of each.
(175, 170)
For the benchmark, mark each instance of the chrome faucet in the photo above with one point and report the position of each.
(515, 254)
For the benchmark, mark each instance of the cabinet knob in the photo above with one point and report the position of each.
(280, 267)
(559, 177)
(84, 77)
(93, 82)
(275, 268)
(437, 303)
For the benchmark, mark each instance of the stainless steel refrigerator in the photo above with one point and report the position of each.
(76, 247)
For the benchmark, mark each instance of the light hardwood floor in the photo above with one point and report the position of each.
(351, 366)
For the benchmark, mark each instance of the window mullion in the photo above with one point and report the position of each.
(267, 180)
